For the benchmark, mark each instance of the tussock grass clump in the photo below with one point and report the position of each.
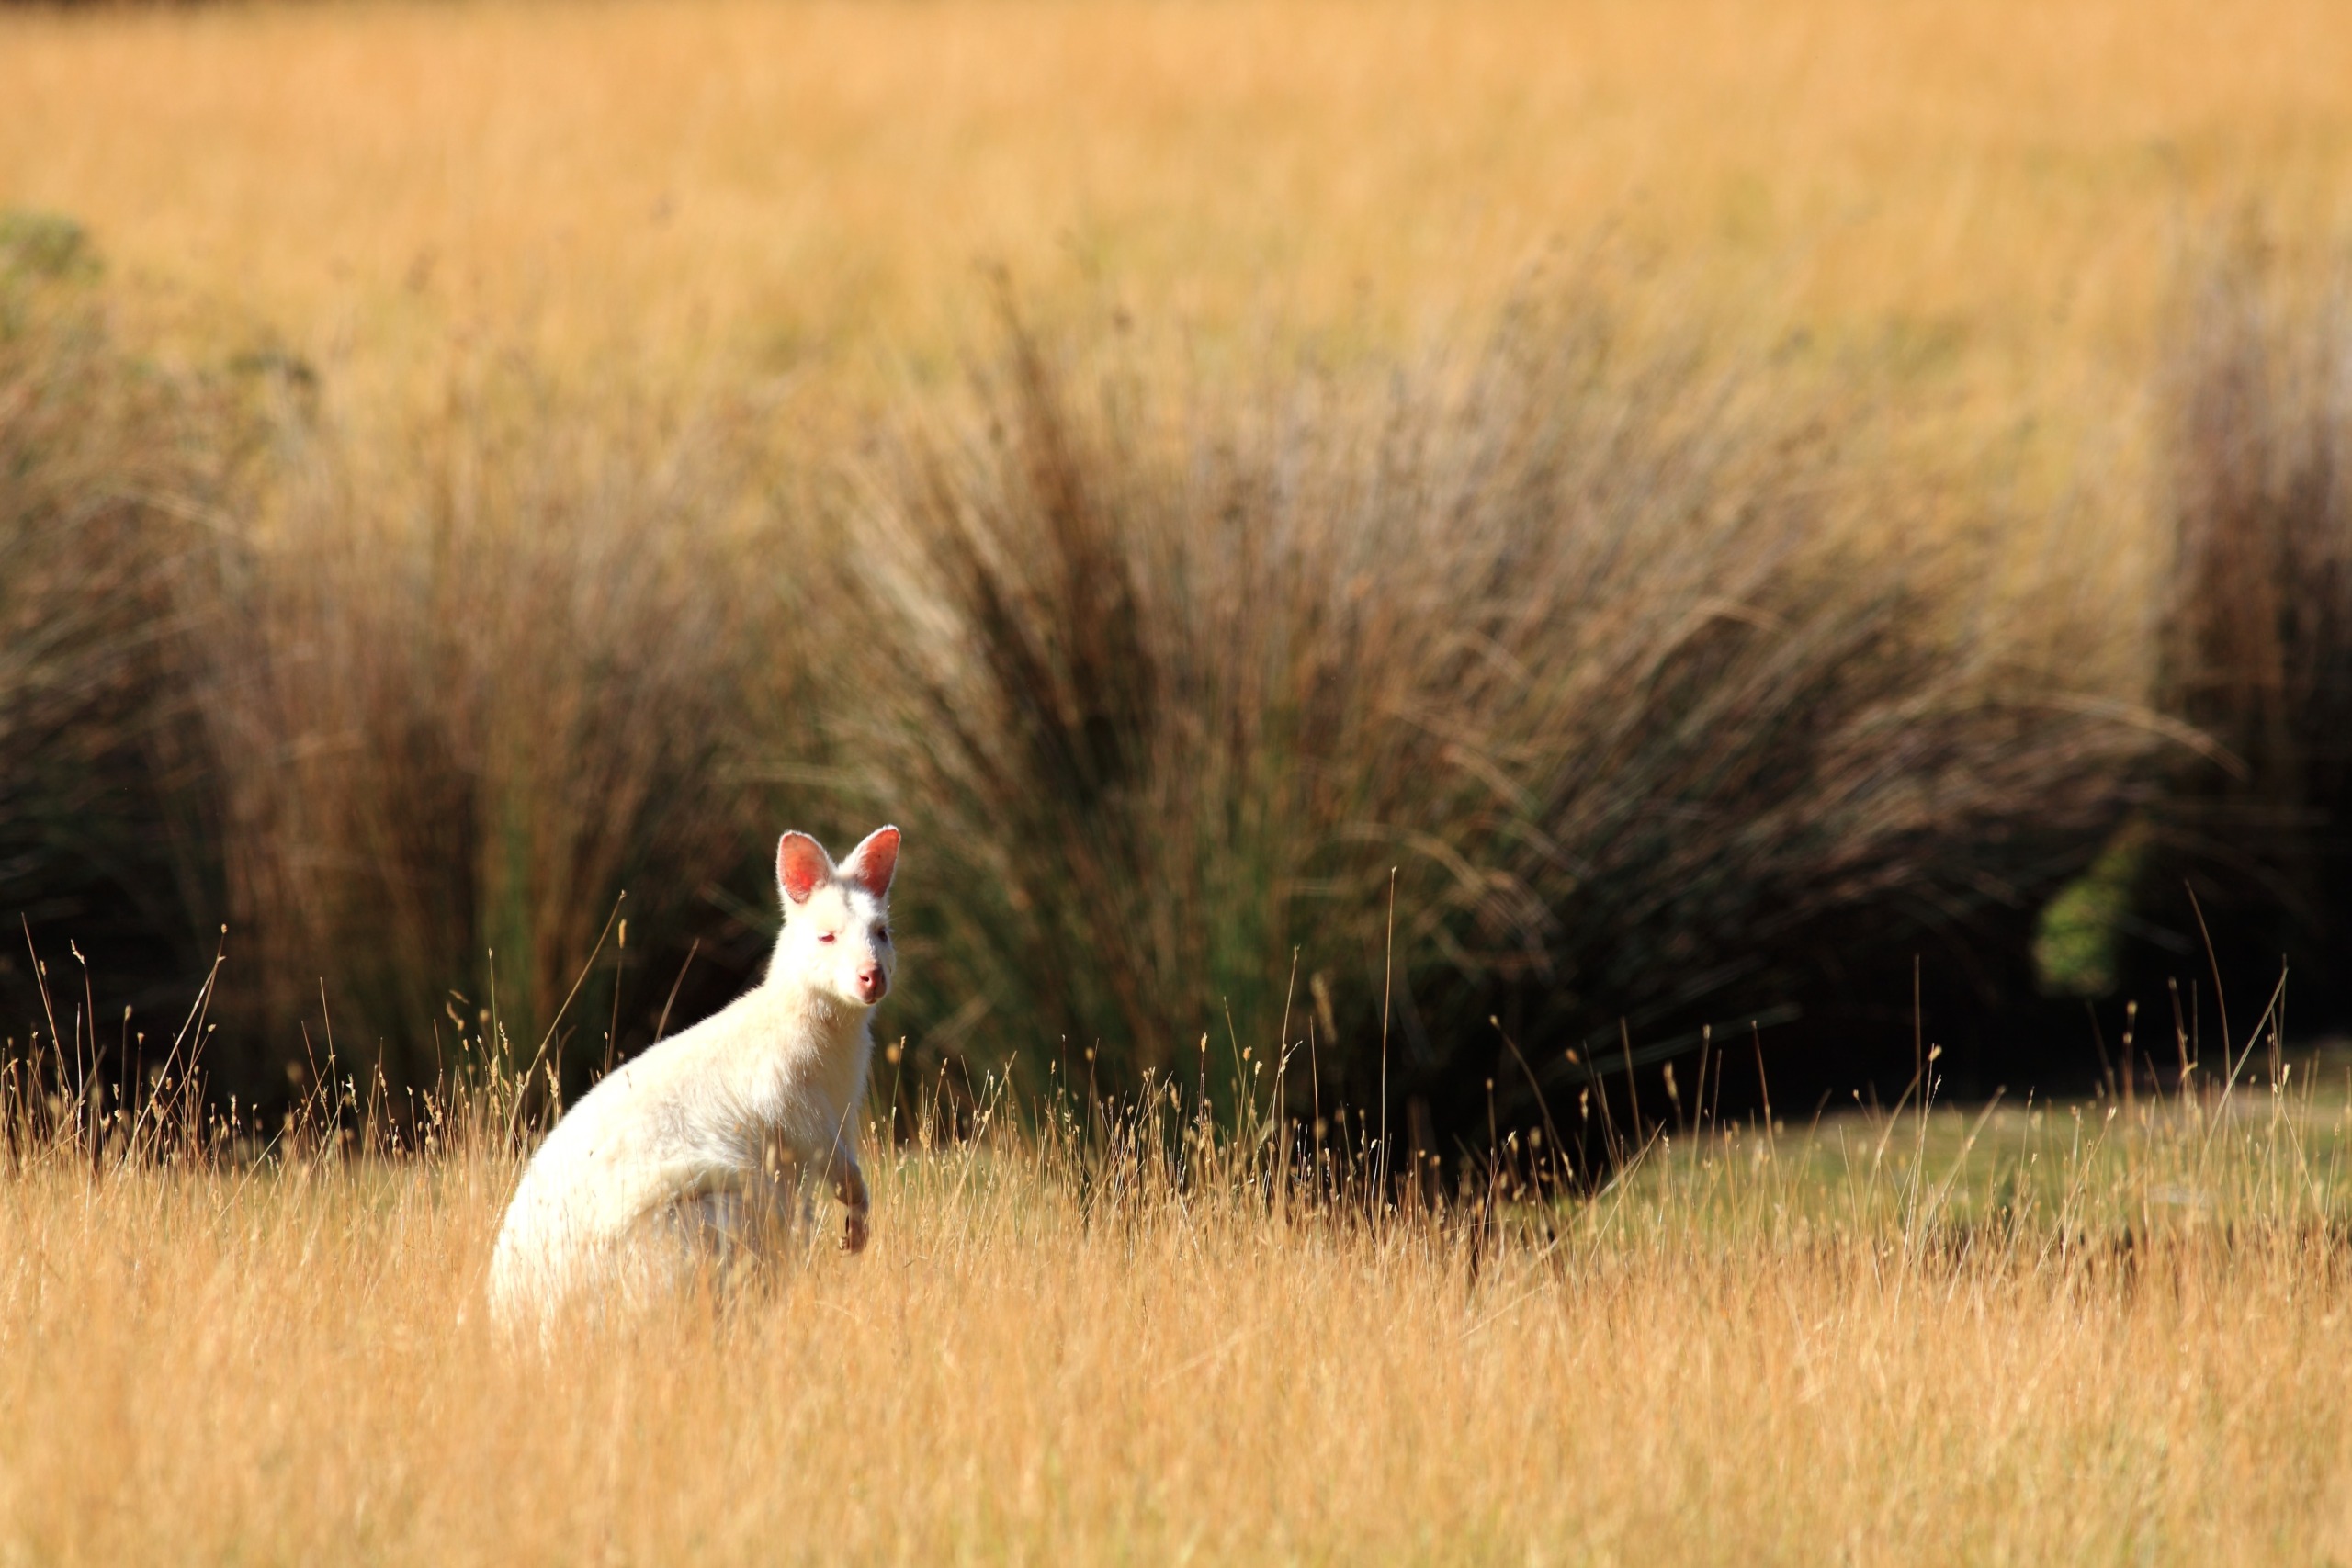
(109, 473)
(1661, 700)
(1663, 703)
(2259, 637)
(475, 688)
(405, 711)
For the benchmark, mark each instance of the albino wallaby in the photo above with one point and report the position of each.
(696, 1150)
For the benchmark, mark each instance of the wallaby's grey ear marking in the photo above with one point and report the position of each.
(873, 863)
(801, 866)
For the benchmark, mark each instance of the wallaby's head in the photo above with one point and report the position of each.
(837, 918)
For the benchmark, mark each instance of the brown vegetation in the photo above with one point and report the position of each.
(2258, 647)
(1658, 698)
(107, 473)
(469, 692)
(2032, 1336)
(1666, 483)
(1663, 702)
(557, 331)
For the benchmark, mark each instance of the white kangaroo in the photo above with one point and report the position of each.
(693, 1153)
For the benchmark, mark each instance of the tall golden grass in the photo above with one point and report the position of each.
(2103, 1333)
(1723, 496)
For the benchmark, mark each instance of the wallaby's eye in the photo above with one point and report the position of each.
(827, 936)
(882, 934)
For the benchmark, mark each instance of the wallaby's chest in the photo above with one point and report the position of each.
(803, 1083)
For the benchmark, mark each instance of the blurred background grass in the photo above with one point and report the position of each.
(1990, 193)
(1724, 498)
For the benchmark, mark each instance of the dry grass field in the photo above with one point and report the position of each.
(2035, 1335)
(1517, 516)
(1998, 193)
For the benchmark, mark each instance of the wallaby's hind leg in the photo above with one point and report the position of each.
(726, 1238)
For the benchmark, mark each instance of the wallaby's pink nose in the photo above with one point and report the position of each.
(871, 982)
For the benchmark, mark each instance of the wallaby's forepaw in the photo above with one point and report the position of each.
(854, 1232)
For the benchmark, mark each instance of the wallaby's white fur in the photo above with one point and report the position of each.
(695, 1149)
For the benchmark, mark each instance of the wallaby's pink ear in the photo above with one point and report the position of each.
(873, 863)
(801, 866)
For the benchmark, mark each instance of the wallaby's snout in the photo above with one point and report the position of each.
(872, 983)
